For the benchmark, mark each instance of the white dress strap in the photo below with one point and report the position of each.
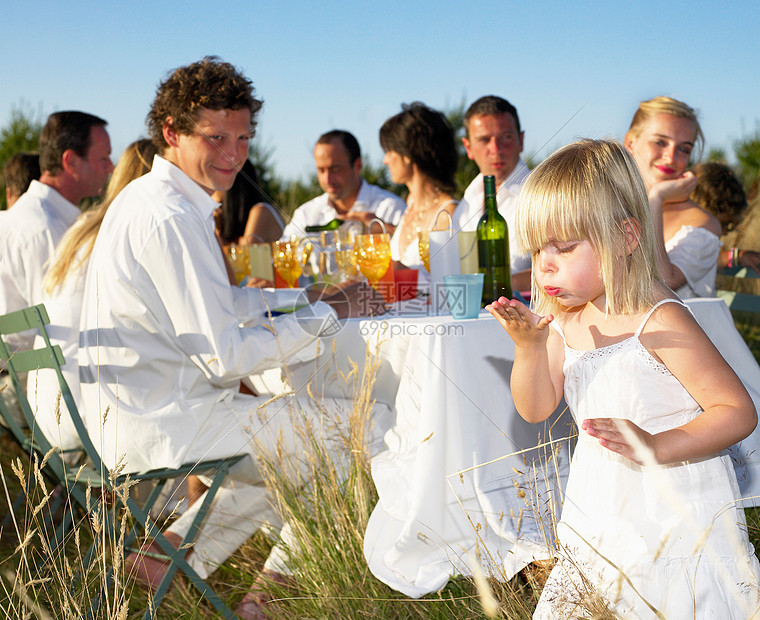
(653, 308)
(558, 329)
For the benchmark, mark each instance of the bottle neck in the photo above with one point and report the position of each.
(489, 193)
(331, 225)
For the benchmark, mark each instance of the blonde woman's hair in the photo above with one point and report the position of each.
(590, 191)
(76, 245)
(671, 107)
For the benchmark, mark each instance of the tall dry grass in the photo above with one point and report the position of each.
(326, 518)
(46, 578)
(325, 497)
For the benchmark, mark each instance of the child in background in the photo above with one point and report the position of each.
(650, 525)
(720, 192)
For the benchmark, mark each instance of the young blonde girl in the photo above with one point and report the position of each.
(650, 527)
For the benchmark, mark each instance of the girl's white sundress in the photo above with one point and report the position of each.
(645, 542)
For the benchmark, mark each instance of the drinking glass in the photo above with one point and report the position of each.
(288, 258)
(373, 255)
(424, 247)
(260, 261)
(463, 293)
(327, 259)
(238, 257)
(345, 259)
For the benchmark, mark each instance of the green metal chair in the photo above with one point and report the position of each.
(75, 480)
(35, 445)
(738, 301)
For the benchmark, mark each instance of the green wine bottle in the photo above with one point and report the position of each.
(331, 225)
(493, 247)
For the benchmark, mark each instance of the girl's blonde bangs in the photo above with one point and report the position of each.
(548, 211)
(586, 191)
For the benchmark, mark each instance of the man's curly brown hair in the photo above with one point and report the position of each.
(210, 84)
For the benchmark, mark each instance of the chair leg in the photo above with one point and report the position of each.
(56, 537)
(177, 556)
(17, 505)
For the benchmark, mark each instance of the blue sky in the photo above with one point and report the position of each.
(573, 69)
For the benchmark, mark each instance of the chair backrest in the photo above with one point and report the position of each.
(50, 356)
(730, 289)
(17, 362)
(741, 302)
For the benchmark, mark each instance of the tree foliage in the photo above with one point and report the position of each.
(747, 152)
(21, 134)
(467, 169)
(716, 154)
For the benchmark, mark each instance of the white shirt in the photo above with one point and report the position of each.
(318, 211)
(162, 342)
(64, 307)
(29, 232)
(470, 210)
(695, 252)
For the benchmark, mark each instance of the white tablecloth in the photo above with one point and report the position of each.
(449, 384)
(454, 413)
(715, 318)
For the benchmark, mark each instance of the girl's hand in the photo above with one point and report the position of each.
(624, 437)
(523, 326)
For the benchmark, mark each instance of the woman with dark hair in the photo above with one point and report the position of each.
(245, 215)
(420, 152)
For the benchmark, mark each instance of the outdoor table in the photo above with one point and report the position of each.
(448, 382)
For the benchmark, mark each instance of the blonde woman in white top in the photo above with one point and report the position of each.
(663, 134)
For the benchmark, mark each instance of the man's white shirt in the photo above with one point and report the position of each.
(29, 233)
(165, 339)
(371, 198)
(470, 210)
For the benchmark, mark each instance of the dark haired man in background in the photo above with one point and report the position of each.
(493, 140)
(347, 196)
(75, 159)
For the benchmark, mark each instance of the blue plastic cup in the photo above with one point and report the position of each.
(464, 293)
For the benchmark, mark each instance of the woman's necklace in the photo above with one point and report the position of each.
(419, 214)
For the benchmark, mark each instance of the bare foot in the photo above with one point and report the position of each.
(195, 490)
(149, 571)
(257, 603)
